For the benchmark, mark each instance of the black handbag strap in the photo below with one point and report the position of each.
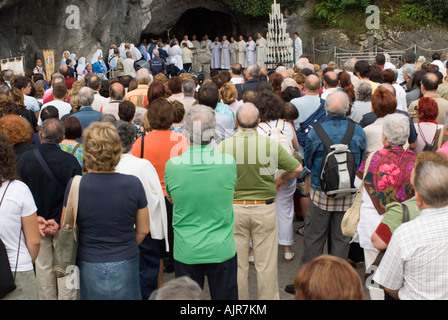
(47, 169)
(406, 216)
(20, 235)
(143, 146)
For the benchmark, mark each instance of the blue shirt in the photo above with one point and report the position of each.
(86, 116)
(315, 149)
(306, 106)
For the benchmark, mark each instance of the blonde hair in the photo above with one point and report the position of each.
(228, 93)
(328, 278)
(102, 147)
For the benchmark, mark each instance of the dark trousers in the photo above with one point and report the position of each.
(222, 277)
(149, 266)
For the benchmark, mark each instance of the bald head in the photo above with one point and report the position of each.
(117, 91)
(248, 116)
(331, 80)
(285, 74)
(337, 104)
(312, 84)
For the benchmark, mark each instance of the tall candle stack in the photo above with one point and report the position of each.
(280, 50)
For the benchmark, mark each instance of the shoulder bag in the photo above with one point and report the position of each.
(350, 220)
(67, 244)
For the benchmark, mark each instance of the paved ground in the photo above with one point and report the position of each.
(286, 272)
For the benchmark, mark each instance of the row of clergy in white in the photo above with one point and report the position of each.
(225, 53)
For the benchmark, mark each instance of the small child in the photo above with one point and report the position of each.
(179, 114)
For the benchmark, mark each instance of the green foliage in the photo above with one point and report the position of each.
(254, 8)
(331, 12)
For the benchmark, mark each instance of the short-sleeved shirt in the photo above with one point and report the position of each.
(107, 210)
(201, 183)
(17, 204)
(394, 218)
(159, 147)
(257, 158)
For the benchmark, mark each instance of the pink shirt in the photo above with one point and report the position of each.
(444, 149)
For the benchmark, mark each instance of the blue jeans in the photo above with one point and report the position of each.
(110, 281)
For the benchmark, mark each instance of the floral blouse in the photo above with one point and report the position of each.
(388, 178)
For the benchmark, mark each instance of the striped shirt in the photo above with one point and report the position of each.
(416, 260)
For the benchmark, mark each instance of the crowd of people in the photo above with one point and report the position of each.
(201, 176)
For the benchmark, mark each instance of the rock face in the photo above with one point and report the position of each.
(30, 26)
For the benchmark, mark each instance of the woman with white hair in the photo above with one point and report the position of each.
(387, 180)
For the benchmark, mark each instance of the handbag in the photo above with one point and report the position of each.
(7, 278)
(350, 220)
(67, 245)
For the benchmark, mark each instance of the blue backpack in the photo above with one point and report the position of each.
(314, 120)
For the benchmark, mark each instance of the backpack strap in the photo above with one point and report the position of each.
(406, 216)
(266, 128)
(350, 132)
(328, 142)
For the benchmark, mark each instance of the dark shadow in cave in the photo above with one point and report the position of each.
(201, 21)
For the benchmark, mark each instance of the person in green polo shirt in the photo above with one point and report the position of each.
(257, 159)
(201, 185)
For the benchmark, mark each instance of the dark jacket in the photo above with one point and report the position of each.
(48, 195)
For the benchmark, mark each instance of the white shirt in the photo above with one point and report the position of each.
(416, 259)
(145, 171)
(31, 103)
(64, 109)
(99, 102)
(17, 204)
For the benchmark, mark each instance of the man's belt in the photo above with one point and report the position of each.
(254, 203)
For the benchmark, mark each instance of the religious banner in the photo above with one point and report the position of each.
(49, 62)
(14, 64)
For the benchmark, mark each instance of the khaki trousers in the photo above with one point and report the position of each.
(51, 288)
(258, 222)
(26, 287)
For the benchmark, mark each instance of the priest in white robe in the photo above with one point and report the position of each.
(251, 54)
(242, 52)
(261, 45)
(298, 49)
(216, 48)
(233, 51)
(175, 55)
(225, 54)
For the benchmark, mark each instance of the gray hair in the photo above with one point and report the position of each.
(350, 64)
(410, 69)
(337, 104)
(53, 130)
(126, 131)
(431, 179)
(396, 128)
(86, 96)
(288, 82)
(251, 115)
(254, 71)
(303, 63)
(188, 88)
(182, 288)
(107, 117)
(363, 91)
(144, 76)
(200, 124)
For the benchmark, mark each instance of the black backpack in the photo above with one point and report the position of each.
(338, 171)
